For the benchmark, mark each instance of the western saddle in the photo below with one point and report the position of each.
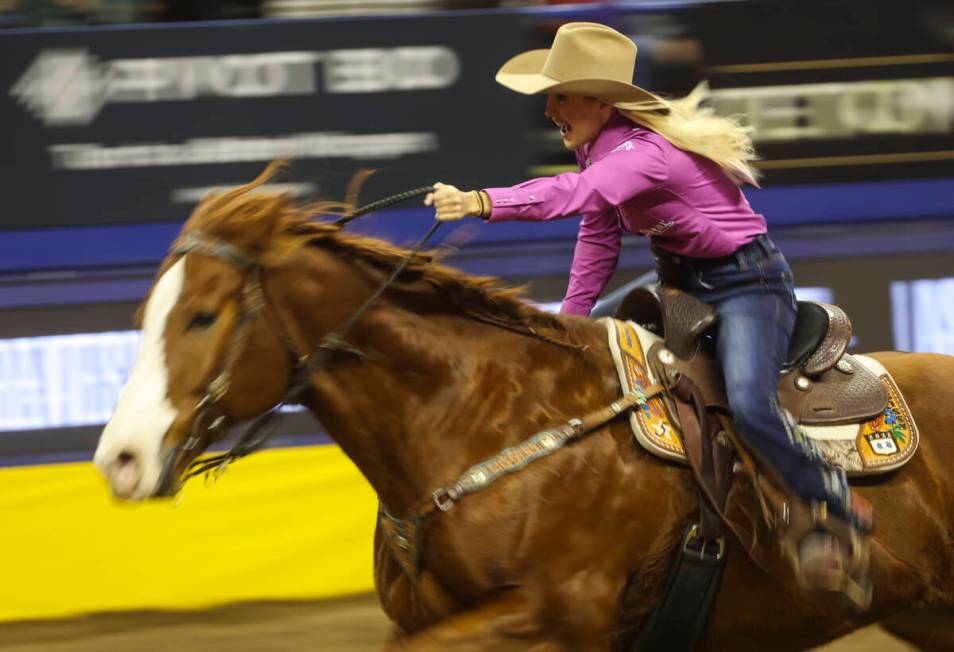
(819, 384)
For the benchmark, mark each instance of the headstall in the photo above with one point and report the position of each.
(209, 418)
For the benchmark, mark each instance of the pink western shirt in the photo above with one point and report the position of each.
(635, 180)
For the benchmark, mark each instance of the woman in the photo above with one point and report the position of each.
(670, 170)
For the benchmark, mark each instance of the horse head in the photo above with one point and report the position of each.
(205, 315)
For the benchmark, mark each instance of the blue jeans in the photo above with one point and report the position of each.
(753, 292)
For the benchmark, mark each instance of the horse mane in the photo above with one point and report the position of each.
(268, 226)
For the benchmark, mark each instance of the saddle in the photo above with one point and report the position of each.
(847, 406)
(819, 385)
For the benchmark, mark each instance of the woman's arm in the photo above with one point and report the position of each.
(636, 166)
(604, 185)
(594, 259)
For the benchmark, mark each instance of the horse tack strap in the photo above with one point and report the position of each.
(198, 242)
(403, 534)
(513, 459)
(208, 417)
(403, 538)
(711, 474)
(680, 618)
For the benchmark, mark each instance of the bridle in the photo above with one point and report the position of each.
(209, 418)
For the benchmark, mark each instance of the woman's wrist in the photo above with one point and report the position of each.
(480, 204)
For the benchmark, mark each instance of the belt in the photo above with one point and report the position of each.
(760, 247)
(668, 264)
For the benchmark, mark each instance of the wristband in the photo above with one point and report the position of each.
(480, 200)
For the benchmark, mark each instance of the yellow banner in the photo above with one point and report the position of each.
(282, 524)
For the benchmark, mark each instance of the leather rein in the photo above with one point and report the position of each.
(209, 417)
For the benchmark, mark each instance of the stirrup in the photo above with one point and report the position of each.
(826, 553)
(820, 566)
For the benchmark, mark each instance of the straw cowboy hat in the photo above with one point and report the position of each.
(586, 59)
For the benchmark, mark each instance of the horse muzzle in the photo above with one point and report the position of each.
(130, 474)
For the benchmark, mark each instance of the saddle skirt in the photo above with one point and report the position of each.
(867, 447)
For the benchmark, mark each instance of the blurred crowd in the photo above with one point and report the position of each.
(34, 13)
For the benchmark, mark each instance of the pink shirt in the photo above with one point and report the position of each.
(635, 180)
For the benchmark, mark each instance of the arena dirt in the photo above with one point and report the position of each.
(353, 624)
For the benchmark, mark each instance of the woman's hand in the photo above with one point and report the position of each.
(452, 204)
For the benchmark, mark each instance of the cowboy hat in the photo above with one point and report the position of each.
(585, 59)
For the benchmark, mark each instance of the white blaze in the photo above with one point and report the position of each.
(144, 413)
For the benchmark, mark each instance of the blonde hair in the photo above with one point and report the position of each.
(691, 127)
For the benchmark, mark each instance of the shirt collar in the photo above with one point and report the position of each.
(614, 132)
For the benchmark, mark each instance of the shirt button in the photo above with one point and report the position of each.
(531, 196)
(589, 161)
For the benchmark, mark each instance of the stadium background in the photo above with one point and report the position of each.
(112, 131)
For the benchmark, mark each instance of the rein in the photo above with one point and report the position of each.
(256, 435)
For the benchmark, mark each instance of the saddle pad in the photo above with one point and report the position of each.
(871, 447)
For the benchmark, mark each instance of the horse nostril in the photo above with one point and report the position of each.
(124, 474)
(125, 458)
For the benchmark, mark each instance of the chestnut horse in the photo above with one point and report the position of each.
(443, 371)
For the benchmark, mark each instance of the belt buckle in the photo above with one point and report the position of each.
(692, 535)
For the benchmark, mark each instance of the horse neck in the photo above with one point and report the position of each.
(430, 395)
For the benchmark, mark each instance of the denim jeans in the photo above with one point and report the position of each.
(753, 292)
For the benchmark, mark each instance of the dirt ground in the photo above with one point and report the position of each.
(353, 624)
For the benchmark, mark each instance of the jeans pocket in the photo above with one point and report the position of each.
(700, 279)
(718, 276)
(728, 276)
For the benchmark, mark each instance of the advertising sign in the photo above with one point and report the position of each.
(125, 125)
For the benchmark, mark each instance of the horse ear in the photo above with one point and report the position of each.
(264, 225)
(246, 219)
(264, 222)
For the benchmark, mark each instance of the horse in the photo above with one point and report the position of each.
(443, 370)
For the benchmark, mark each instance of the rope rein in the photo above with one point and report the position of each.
(258, 432)
(257, 435)
(387, 202)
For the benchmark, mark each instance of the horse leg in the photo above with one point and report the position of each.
(504, 624)
(929, 628)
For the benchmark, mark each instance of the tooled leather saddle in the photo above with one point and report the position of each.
(819, 384)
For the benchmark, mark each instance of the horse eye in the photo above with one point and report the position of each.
(202, 320)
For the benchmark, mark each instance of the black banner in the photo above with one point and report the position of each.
(836, 90)
(134, 124)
